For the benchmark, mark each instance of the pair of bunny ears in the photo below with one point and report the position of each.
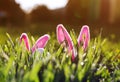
(39, 44)
(83, 38)
(62, 36)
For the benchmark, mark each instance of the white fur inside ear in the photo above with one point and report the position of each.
(75, 52)
(40, 50)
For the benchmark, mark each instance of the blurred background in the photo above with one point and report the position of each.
(38, 17)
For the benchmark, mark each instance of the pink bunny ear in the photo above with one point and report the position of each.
(60, 33)
(41, 42)
(26, 40)
(63, 35)
(84, 37)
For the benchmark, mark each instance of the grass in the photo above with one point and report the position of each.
(100, 63)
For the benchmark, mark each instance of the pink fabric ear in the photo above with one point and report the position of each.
(84, 37)
(63, 35)
(74, 54)
(60, 34)
(69, 40)
(26, 40)
(41, 42)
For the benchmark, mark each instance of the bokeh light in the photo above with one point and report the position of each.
(28, 5)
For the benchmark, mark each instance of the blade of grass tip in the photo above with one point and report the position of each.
(10, 39)
(63, 59)
(3, 54)
(6, 49)
(45, 52)
(97, 58)
(73, 36)
(100, 35)
(97, 44)
(103, 42)
(33, 40)
(80, 54)
(51, 47)
(59, 51)
(100, 70)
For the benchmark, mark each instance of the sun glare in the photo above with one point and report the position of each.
(28, 5)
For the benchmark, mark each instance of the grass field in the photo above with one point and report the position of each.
(100, 63)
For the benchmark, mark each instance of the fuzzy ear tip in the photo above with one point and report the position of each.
(86, 26)
(23, 34)
(59, 25)
(47, 35)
